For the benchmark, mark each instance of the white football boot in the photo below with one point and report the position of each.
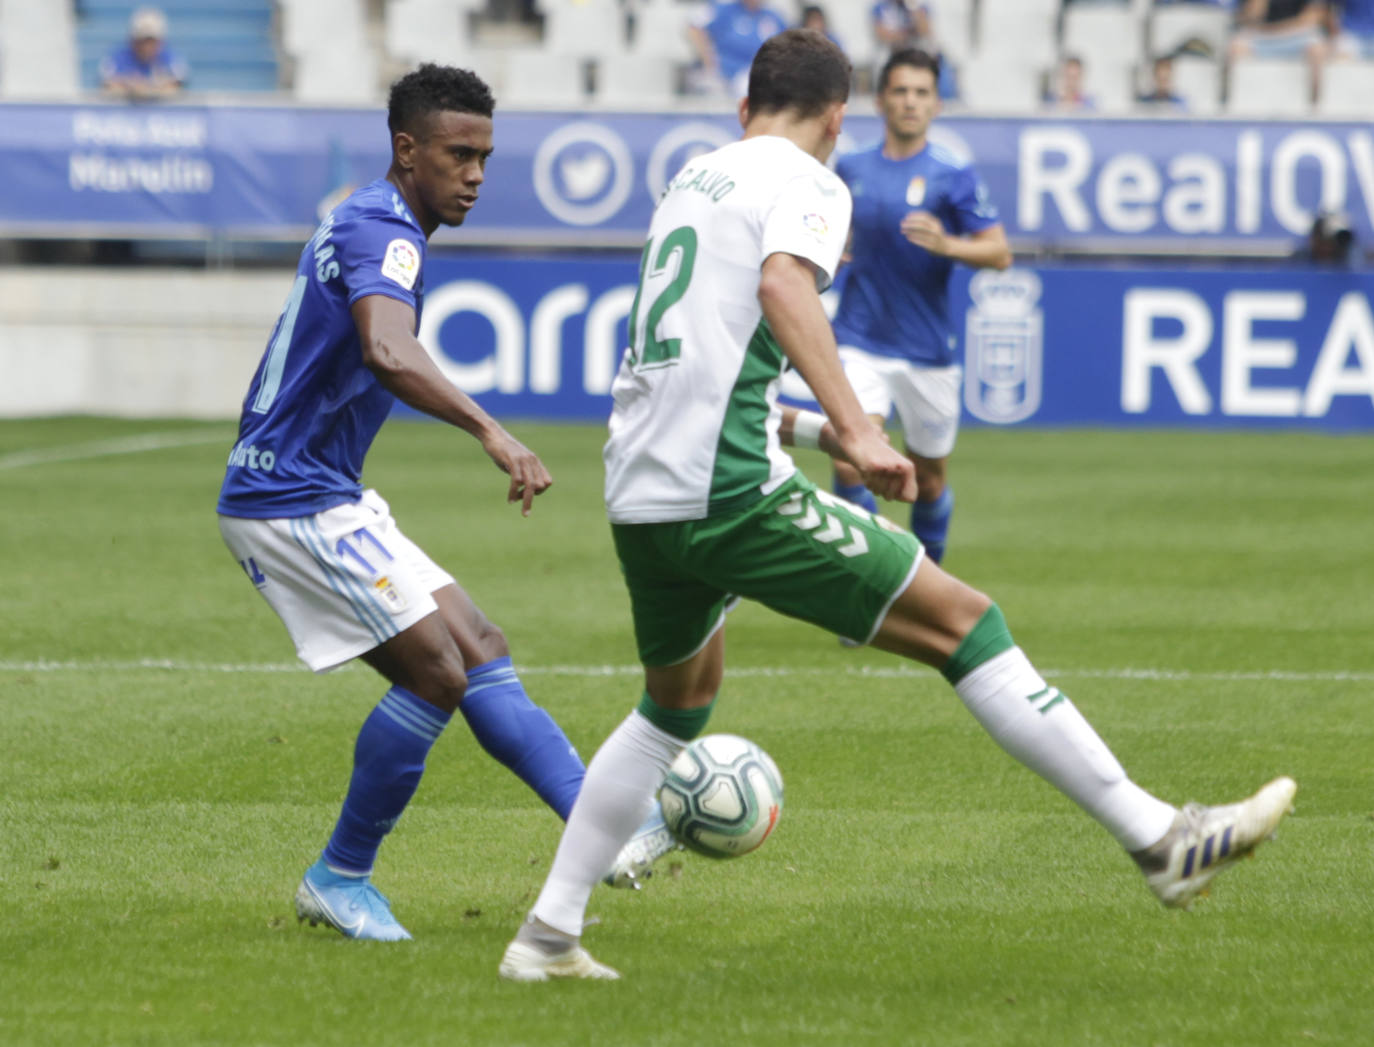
(1205, 840)
(538, 953)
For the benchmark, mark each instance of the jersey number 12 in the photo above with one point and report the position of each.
(654, 351)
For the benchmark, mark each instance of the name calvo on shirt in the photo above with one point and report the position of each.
(251, 458)
(714, 184)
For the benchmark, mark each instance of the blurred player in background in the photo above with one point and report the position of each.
(917, 210)
(705, 506)
(325, 552)
(726, 35)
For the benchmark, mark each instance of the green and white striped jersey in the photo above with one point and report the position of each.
(694, 430)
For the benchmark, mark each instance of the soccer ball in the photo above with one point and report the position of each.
(722, 796)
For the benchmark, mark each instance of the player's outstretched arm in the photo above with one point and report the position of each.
(386, 329)
(787, 294)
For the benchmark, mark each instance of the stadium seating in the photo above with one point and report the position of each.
(998, 83)
(228, 43)
(37, 50)
(1347, 90)
(1174, 25)
(537, 78)
(416, 31)
(1198, 82)
(636, 81)
(660, 29)
(1018, 32)
(1268, 87)
(586, 29)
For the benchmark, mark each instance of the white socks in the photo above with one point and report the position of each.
(616, 797)
(1039, 726)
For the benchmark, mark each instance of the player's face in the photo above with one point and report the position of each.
(909, 102)
(450, 164)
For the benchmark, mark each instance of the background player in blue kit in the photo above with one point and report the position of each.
(917, 211)
(326, 554)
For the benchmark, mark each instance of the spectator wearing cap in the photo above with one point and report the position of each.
(144, 67)
(726, 36)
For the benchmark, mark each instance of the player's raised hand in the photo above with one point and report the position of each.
(924, 230)
(528, 476)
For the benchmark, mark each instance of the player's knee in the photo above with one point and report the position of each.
(441, 680)
(491, 641)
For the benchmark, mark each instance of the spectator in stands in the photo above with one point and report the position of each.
(1329, 243)
(900, 25)
(1282, 29)
(726, 36)
(813, 17)
(144, 68)
(1161, 94)
(1351, 25)
(1066, 87)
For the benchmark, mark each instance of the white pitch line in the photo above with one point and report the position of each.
(114, 446)
(745, 672)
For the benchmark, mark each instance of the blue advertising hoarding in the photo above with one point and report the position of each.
(541, 337)
(590, 178)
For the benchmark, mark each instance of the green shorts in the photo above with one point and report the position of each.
(801, 551)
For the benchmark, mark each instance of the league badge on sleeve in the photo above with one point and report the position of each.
(816, 225)
(402, 263)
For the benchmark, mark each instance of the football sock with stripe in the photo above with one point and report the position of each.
(930, 522)
(615, 799)
(521, 735)
(858, 494)
(1040, 727)
(388, 760)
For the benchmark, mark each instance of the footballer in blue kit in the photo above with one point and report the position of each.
(325, 552)
(918, 210)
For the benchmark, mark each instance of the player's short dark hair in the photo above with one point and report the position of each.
(431, 89)
(913, 57)
(798, 69)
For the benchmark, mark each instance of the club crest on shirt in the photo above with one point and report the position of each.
(816, 225)
(916, 191)
(401, 263)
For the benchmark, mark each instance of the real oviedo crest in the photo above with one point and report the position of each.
(1002, 346)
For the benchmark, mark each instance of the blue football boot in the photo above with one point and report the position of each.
(349, 904)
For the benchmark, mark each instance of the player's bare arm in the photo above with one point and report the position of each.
(787, 294)
(985, 249)
(386, 329)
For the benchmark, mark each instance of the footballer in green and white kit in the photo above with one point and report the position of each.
(703, 500)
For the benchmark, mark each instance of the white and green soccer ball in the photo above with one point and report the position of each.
(722, 796)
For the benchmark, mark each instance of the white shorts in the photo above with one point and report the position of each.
(342, 581)
(926, 398)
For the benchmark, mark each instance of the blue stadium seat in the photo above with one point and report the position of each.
(228, 43)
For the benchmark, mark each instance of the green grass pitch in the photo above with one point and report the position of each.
(166, 773)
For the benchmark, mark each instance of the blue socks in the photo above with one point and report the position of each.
(395, 739)
(930, 522)
(856, 493)
(521, 735)
(388, 760)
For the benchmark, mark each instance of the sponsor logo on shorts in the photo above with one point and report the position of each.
(824, 527)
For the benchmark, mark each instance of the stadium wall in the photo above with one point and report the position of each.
(540, 336)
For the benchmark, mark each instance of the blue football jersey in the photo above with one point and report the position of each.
(313, 407)
(895, 300)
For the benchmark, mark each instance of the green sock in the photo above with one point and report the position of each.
(986, 640)
(681, 723)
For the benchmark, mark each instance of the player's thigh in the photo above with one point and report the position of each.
(343, 581)
(866, 374)
(807, 554)
(928, 404)
(930, 618)
(675, 613)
